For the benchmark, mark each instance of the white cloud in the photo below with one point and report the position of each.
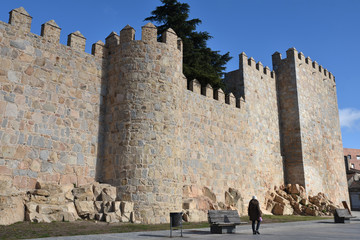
(349, 117)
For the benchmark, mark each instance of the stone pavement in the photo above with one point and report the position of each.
(323, 229)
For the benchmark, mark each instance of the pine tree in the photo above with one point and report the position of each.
(199, 61)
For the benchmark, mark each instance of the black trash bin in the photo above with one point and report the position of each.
(175, 221)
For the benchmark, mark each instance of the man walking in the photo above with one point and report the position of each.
(254, 213)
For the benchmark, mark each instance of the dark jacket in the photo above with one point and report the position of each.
(254, 211)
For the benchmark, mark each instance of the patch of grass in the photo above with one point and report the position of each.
(24, 230)
(292, 218)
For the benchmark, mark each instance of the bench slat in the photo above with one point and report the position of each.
(224, 217)
(343, 213)
(226, 224)
(223, 213)
(232, 212)
(224, 220)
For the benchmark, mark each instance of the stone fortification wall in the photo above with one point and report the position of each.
(143, 121)
(127, 116)
(162, 137)
(229, 143)
(317, 132)
(50, 101)
(290, 130)
(321, 135)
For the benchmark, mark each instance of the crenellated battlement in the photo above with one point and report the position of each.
(20, 20)
(216, 94)
(244, 61)
(148, 36)
(299, 57)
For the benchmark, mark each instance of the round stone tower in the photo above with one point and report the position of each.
(141, 154)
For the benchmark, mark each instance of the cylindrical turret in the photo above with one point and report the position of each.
(142, 118)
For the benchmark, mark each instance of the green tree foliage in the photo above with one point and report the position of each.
(200, 62)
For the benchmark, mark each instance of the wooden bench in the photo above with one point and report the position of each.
(223, 221)
(342, 216)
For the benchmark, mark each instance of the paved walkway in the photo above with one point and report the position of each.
(313, 230)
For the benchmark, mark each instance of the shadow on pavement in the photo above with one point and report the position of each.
(163, 236)
(352, 220)
(198, 232)
(154, 235)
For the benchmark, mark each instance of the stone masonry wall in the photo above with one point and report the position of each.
(127, 116)
(49, 107)
(228, 147)
(161, 137)
(143, 122)
(320, 130)
(311, 121)
(290, 130)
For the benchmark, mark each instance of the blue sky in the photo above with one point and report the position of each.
(325, 30)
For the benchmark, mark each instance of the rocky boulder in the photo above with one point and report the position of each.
(311, 211)
(11, 209)
(281, 200)
(270, 204)
(126, 209)
(282, 209)
(293, 189)
(48, 213)
(208, 193)
(6, 187)
(84, 193)
(104, 192)
(85, 209)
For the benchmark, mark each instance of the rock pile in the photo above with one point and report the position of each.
(52, 202)
(284, 200)
(196, 202)
(292, 200)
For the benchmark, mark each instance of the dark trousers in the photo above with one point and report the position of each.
(257, 225)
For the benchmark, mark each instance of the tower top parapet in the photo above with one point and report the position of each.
(149, 36)
(293, 55)
(244, 61)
